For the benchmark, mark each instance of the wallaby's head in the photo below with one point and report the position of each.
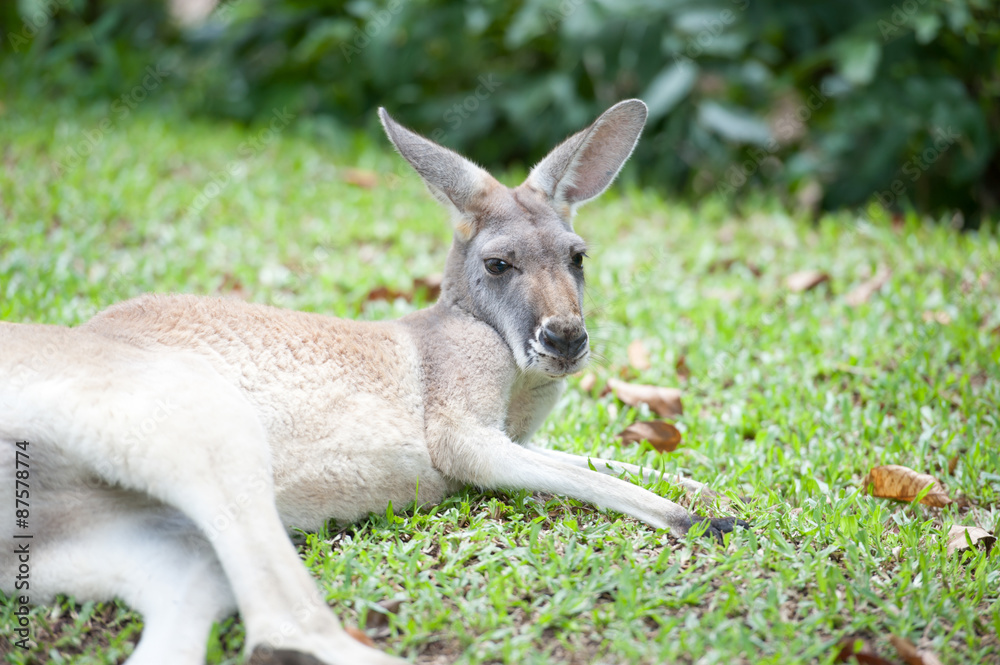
(516, 262)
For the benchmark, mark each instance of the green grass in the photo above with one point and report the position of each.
(791, 398)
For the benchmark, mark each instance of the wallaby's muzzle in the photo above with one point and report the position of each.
(563, 339)
(561, 345)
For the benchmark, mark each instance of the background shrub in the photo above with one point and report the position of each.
(830, 103)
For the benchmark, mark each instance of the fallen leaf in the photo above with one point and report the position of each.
(663, 436)
(859, 650)
(588, 382)
(958, 540)
(664, 402)
(432, 283)
(864, 291)
(805, 280)
(360, 178)
(721, 265)
(725, 265)
(910, 654)
(233, 286)
(385, 293)
(906, 650)
(682, 369)
(377, 618)
(952, 464)
(904, 484)
(937, 317)
(359, 635)
(638, 356)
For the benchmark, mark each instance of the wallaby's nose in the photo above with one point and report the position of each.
(565, 344)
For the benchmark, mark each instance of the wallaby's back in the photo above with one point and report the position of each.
(341, 401)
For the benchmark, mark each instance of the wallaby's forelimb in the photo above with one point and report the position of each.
(616, 468)
(488, 459)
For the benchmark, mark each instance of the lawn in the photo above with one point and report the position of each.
(790, 397)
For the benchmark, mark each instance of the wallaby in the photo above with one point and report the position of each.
(163, 448)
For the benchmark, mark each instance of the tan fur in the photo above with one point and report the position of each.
(302, 373)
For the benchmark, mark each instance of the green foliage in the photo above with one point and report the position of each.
(831, 101)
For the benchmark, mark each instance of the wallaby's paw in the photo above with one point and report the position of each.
(717, 526)
(265, 656)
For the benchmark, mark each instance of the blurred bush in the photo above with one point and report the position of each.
(831, 103)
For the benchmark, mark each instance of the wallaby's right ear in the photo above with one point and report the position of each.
(452, 179)
(582, 166)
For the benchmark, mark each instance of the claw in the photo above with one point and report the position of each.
(721, 525)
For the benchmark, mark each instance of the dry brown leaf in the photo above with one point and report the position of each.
(664, 402)
(864, 291)
(359, 635)
(682, 369)
(725, 265)
(432, 283)
(378, 621)
(588, 382)
(928, 657)
(231, 285)
(910, 654)
(859, 650)
(385, 293)
(904, 484)
(663, 436)
(937, 317)
(721, 265)
(981, 538)
(638, 356)
(906, 650)
(805, 280)
(952, 464)
(360, 178)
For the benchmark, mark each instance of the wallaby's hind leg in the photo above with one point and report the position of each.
(114, 544)
(202, 451)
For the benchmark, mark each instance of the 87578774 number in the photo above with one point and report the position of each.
(22, 491)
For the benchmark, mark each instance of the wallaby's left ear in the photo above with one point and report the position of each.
(583, 166)
(452, 179)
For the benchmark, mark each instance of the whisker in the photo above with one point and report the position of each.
(599, 359)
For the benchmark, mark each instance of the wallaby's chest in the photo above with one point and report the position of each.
(531, 401)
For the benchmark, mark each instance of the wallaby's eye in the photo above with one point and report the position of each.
(496, 266)
(578, 259)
